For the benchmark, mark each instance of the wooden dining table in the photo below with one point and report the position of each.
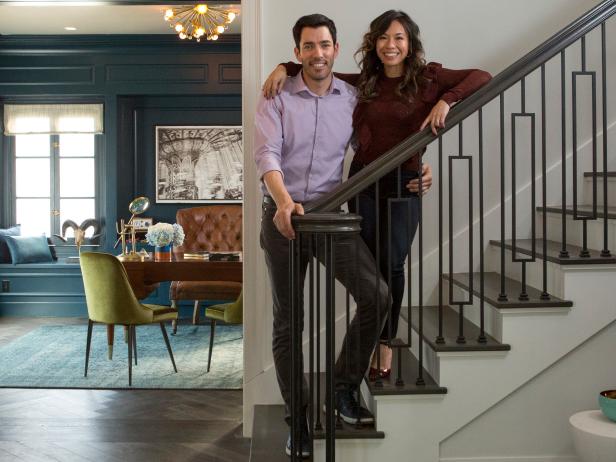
(146, 273)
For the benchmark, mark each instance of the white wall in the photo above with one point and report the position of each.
(534, 420)
(488, 34)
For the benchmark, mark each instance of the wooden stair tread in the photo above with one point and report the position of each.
(599, 174)
(410, 368)
(450, 331)
(583, 209)
(524, 247)
(492, 286)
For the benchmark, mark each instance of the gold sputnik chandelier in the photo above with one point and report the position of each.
(199, 21)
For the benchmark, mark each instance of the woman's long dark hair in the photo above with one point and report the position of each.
(371, 66)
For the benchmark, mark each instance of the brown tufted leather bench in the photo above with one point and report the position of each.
(208, 228)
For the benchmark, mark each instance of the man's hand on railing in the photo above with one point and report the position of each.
(436, 118)
(282, 218)
(426, 180)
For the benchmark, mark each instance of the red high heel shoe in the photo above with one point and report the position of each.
(375, 373)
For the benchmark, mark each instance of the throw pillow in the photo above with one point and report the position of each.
(28, 249)
(5, 256)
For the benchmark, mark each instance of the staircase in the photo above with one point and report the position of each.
(516, 351)
(523, 305)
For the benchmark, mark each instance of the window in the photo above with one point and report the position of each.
(55, 177)
(55, 162)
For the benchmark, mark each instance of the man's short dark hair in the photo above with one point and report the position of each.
(313, 20)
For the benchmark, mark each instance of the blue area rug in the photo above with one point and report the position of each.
(54, 357)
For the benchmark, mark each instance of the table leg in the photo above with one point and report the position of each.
(174, 323)
(110, 331)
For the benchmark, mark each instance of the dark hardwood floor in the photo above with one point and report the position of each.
(116, 425)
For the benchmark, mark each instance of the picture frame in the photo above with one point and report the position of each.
(142, 223)
(199, 164)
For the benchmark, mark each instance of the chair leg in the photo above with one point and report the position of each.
(135, 343)
(110, 333)
(164, 331)
(174, 323)
(130, 356)
(209, 355)
(196, 312)
(88, 341)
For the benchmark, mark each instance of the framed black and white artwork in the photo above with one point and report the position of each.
(199, 164)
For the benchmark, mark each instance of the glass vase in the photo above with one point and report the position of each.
(162, 253)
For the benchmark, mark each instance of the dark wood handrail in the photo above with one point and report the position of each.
(510, 76)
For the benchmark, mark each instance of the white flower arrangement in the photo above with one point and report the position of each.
(162, 234)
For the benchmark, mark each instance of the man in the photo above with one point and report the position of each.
(301, 138)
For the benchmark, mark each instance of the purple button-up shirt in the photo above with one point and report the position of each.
(305, 136)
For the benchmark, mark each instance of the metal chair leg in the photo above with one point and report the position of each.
(164, 331)
(130, 356)
(135, 343)
(88, 341)
(209, 355)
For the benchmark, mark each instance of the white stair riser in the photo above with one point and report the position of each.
(575, 230)
(534, 271)
(611, 191)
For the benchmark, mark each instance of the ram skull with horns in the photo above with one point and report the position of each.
(80, 231)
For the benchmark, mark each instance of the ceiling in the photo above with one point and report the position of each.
(91, 19)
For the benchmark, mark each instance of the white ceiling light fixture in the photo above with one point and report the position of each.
(199, 21)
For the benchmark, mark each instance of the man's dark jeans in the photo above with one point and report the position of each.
(353, 259)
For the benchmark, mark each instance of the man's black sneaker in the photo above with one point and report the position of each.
(303, 450)
(350, 410)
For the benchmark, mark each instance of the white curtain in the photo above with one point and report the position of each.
(54, 119)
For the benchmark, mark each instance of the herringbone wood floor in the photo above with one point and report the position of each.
(119, 426)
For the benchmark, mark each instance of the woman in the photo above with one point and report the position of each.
(398, 95)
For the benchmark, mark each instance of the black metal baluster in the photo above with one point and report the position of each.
(605, 252)
(502, 296)
(482, 335)
(377, 257)
(357, 312)
(584, 217)
(311, 402)
(461, 303)
(330, 349)
(420, 379)
(296, 389)
(409, 343)
(318, 426)
(564, 253)
(544, 191)
(439, 339)
(514, 249)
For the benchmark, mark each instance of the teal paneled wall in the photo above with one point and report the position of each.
(143, 81)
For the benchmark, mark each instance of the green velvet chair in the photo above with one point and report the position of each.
(229, 313)
(111, 300)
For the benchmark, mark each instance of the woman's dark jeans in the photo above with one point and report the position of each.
(405, 217)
